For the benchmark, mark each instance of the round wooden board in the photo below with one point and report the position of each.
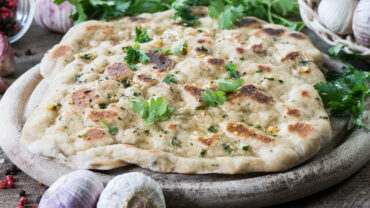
(337, 161)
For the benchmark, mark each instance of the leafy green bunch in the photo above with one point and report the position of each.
(227, 11)
(345, 93)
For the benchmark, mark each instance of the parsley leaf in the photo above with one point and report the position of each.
(133, 56)
(230, 16)
(345, 93)
(169, 79)
(213, 98)
(182, 10)
(112, 130)
(338, 52)
(229, 85)
(180, 48)
(152, 110)
(216, 8)
(142, 36)
(232, 70)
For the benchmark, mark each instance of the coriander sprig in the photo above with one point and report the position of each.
(112, 130)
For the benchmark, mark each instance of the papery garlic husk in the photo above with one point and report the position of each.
(336, 15)
(361, 23)
(7, 62)
(54, 17)
(132, 190)
(79, 189)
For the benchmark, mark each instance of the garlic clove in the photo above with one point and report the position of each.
(336, 15)
(79, 189)
(7, 62)
(132, 190)
(361, 23)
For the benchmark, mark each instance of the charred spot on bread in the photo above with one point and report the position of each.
(257, 48)
(145, 78)
(207, 141)
(298, 36)
(215, 61)
(83, 97)
(250, 92)
(119, 71)
(290, 56)
(94, 134)
(293, 112)
(273, 32)
(240, 50)
(160, 61)
(300, 129)
(240, 130)
(106, 115)
(194, 91)
(245, 22)
(60, 51)
(136, 19)
(264, 68)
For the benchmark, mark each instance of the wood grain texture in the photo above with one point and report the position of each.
(10, 198)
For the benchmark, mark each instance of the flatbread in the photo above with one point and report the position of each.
(275, 121)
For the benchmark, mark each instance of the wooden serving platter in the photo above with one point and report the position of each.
(342, 157)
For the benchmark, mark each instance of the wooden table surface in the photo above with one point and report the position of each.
(353, 192)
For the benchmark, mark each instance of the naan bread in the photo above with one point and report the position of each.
(267, 125)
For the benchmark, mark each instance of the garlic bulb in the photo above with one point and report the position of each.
(54, 17)
(132, 190)
(336, 15)
(361, 23)
(7, 62)
(79, 189)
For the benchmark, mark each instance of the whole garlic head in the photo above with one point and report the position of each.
(132, 190)
(336, 15)
(361, 23)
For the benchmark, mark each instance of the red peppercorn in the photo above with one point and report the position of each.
(10, 183)
(20, 203)
(23, 201)
(41, 184)
(3, 184)
(21, 206)
(9, 177)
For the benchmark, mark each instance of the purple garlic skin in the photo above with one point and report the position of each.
(3, 85)
(361, 23)
(78, 189)
(54, 17)
(7, 62)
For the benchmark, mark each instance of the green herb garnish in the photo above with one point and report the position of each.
(213, 98)
(153, 110)
(229, 85)
(212, 129)
(133, 56)
(227, 148)
(246, 148)
(180, 48)
(345, 93)
(112, 130)
(203, 153)
(338, 53)
(269, 78)
(182, 11)
(231, 68)
(169, 79)
(142, 36)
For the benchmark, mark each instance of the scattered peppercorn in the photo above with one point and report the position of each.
(23, 201)
(13, 170)
(7, 171)
(28, 52)
(38, 199)
(22, 193)
(40, 184)
(8, 24)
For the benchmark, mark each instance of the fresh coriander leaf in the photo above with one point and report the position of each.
(229, 85)
(231, 68)
(144, 58)
(166, 52)
(258, 71)
(180, 48)
(283, 6)
(203, 153)
(345, 93)
(216, 8)
(213, 98)
(230, 16)
(182, 11)
(169, 79)
(133, 56)
(142, 36)
(338, 53)
(152, 110)
(112, 130)
(246, 148)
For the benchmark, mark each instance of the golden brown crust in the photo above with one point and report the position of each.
(246, 133)
(301, 129)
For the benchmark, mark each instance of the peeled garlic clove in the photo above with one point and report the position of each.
(336, 15)
(7, 62)
(132, 190)
(79, 189)
(361, 23)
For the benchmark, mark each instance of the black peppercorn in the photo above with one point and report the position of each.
(22, 193)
